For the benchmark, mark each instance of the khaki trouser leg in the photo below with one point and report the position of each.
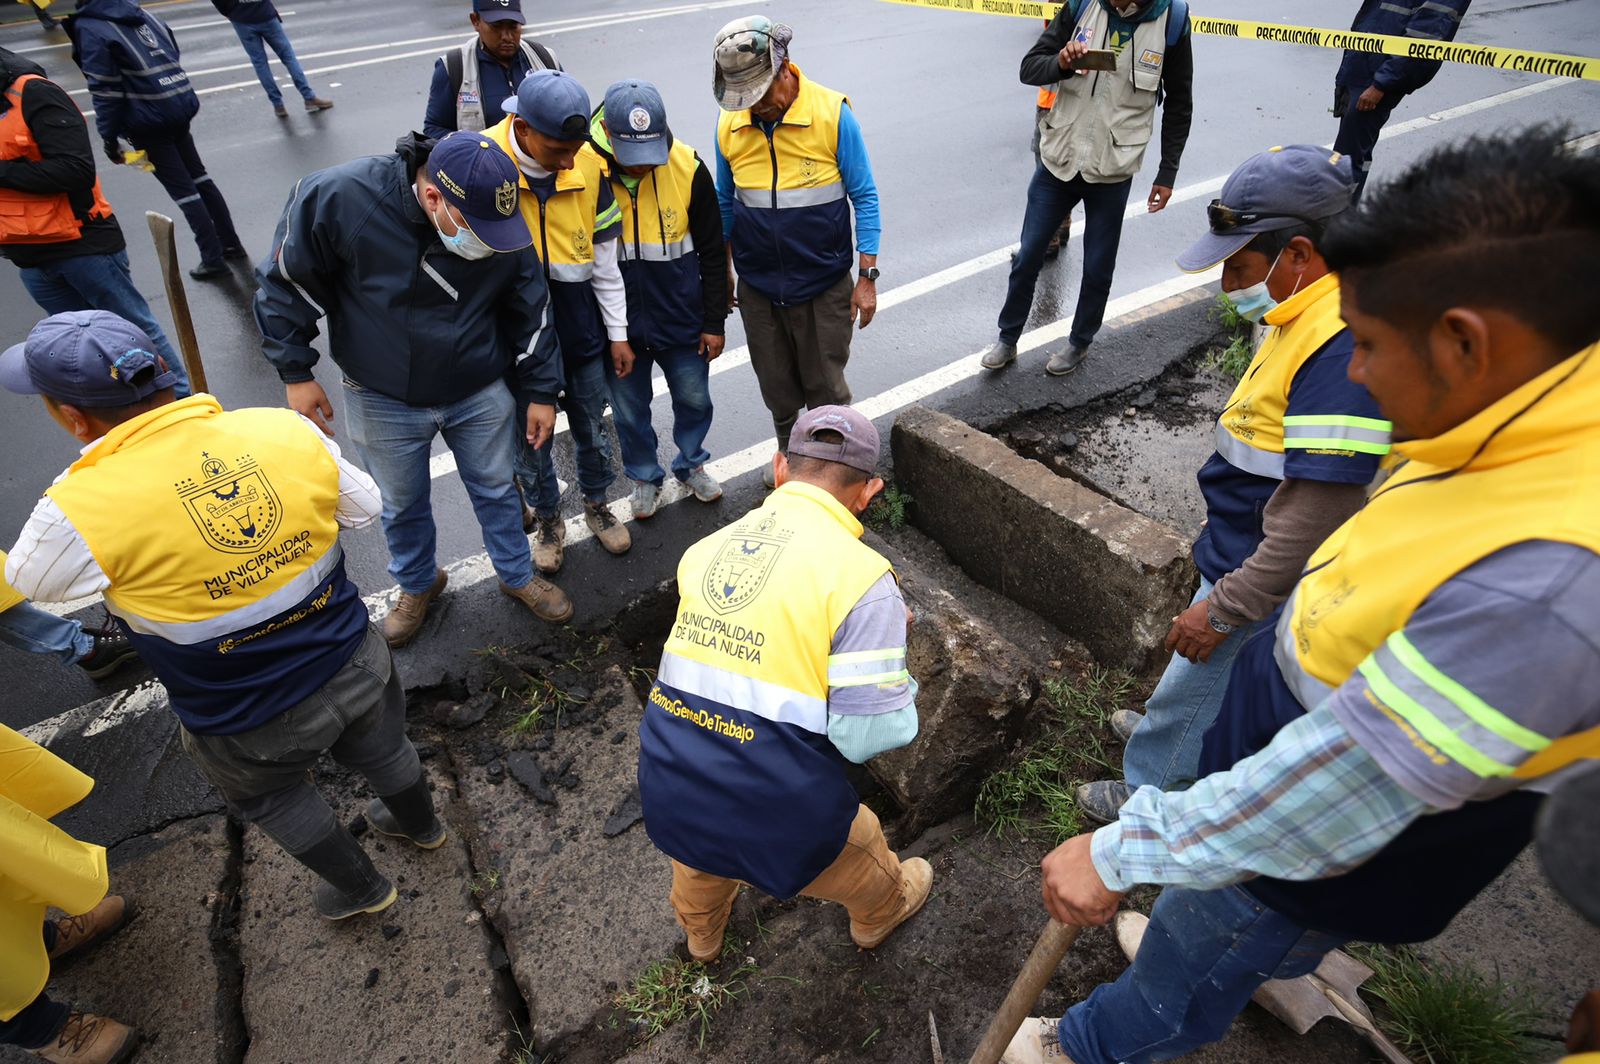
(702, 903)
(821, 331)
(774, 358)
(865, 878)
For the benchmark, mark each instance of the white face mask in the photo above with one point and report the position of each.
(465, 243)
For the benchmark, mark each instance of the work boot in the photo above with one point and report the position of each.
(644, 499)
(769, 476)
(350, 884)
(1066, 360)
(612, 534)
(704, 485)
(280, 110)
(235, 252)
(90, 1039)
(401, 624)
(1102, 800)
(75, 934)
(317, 103)
(1037, 1041)
(209, 271)
(1124, 722)
(548, 602)
(998, 355)
(408, 815)
(916, 877)
(547, 544)
(110, 652)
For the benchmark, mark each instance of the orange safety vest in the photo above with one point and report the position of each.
(31, 217)
(1047, 95)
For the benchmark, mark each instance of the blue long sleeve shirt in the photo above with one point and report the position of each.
(854, 166)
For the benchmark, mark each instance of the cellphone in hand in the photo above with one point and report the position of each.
(1096, 59)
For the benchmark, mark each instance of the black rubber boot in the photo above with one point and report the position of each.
(408, 815)
(350, 885)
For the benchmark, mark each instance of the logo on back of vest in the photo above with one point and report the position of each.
(740, 569)
(148, 36)
(235, 509)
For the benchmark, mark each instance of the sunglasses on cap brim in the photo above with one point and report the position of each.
(1225, 219)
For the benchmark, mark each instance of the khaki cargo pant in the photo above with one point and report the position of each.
(865, 878)
(798, 353)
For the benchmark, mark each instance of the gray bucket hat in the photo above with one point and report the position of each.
(748, 54)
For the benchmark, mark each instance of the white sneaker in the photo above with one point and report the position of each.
(1036, 1042)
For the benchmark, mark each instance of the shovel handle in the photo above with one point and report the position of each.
(1054, 941)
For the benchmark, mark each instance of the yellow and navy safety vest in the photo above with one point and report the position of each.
(791, 218)
(563, 228)
(736, 772)
(1335, 435)
(659, 264)
(1525, 468)
(217, 532)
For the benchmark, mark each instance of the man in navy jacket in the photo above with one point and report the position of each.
(130, 60)
(1370, 84)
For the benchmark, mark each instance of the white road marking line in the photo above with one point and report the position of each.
(544, 29)
(445, 464)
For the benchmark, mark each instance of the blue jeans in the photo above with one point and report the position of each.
(1203, 955)
(1050, 202)
(27, 627)
(100, 282)
(688, 377)
(394, 439)
(255, 36)
(584, 401)
(1164, 751)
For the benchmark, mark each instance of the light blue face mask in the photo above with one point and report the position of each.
(1254, 302)
(464, 242)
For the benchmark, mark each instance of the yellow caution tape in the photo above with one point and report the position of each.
(1484, 55)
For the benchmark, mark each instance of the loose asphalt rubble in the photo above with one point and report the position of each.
(515, 940)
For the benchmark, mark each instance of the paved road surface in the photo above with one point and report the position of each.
(946, 122)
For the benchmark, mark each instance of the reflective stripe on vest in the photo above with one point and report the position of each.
(1520, 470)
(1252, 433)
(563, 226)
(29, 217)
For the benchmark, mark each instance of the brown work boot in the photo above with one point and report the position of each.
(91, 1039)
(548, 602)
(317, 103)
(401, 624)
(916, 877)
(547, 543)
(612, 534)
(75, 934)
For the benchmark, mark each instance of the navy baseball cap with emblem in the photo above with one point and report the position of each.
(636, 119)
(1276, 189)
(858, 443)
(552, 102)
(88, 358)
(479, 180)
(499, 10)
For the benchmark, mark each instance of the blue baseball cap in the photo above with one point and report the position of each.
(552, 102)
(636, 120)
(499, 10)
(88, 358)
(1276, 189)
(481, 181)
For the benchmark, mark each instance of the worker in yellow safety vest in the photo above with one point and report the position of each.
(1384, 747)
(42, 866)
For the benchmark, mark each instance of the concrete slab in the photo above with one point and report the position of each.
(174, 877)
(580, 910)
(412, 983)
(1100, 572)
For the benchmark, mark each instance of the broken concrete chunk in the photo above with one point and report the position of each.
(524, 768)
(460, 715)
(1103, 574)
(626, 813)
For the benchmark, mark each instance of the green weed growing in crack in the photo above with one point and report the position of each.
(543, 701)
(1034, 797)
(485, 882)
(888, 512)
(1442, 1013)
(1233, 358)
(672, 990)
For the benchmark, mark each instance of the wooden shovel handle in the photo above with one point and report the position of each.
(1054, 941)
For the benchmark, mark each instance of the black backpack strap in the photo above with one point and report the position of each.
(452, 67)
(544, 55)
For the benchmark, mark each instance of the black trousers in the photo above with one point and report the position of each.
(183, 174)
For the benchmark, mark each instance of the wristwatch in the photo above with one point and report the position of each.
(869, 274)
(1219, 626)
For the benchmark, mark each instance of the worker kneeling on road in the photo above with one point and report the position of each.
(1382, 749)
(788, 656)
(214, 536)
(1297, 445)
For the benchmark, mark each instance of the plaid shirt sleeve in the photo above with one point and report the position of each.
(1312, 804)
